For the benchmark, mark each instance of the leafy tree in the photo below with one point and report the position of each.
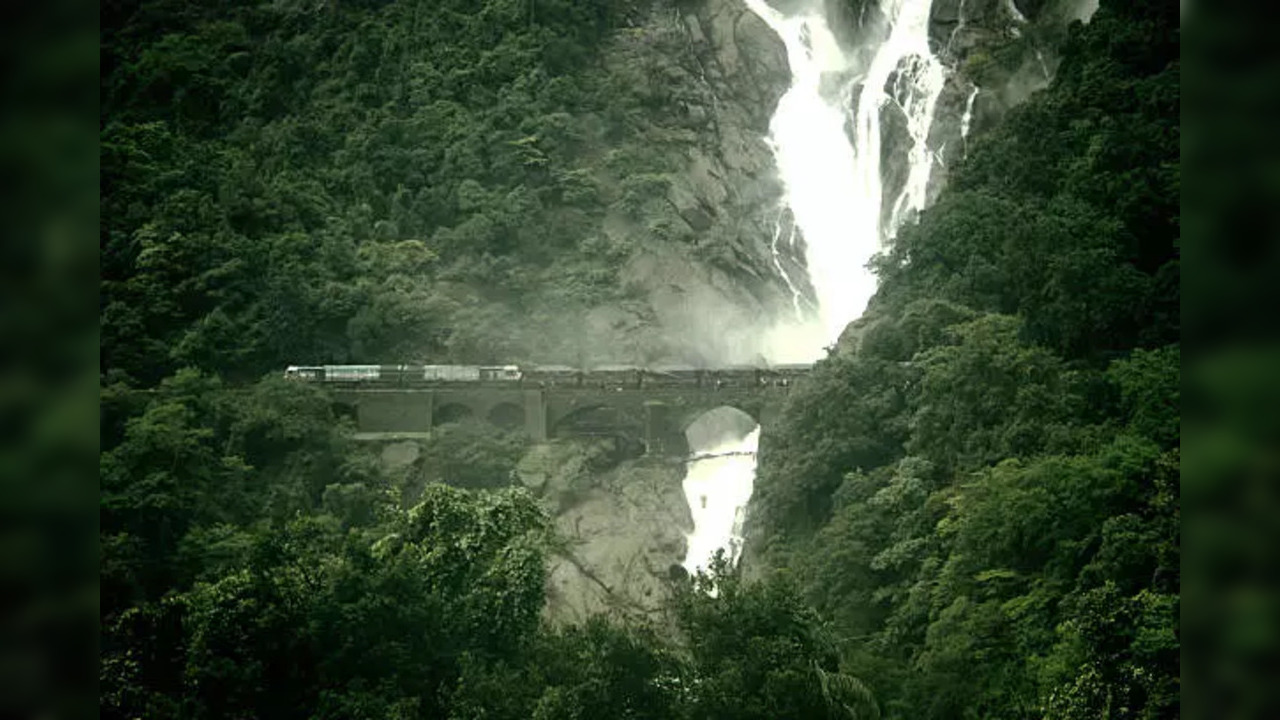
(601, 668)
(847, 415)
(758, 651)
(473, 454)
(988, 396)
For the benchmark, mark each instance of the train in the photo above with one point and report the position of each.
(403, 374)
(618, 377)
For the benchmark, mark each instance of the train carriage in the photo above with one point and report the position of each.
(555, 376)
(363, 374)
(449, 373)
(309, 373)
(618, 377)
(674, 376)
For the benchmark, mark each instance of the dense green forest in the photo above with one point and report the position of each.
(334, 180)
(969, 510)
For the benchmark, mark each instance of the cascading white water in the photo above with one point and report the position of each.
(816, 162)
(797, 296)
(1014, 12)
(826, 136)
(966, 120)
(717, 486)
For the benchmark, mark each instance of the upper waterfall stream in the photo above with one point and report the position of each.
(828, 139)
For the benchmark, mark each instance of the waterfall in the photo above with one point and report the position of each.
(966, 120)
(717, 486)
(797, 296)
(826, 137)
(1014, 12)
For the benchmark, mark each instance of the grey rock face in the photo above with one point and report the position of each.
(988, 46)
(622, 530)
(722, 71)
(728, 191)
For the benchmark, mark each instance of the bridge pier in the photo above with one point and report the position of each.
(662, 435)
(655, 415)
(535, 415)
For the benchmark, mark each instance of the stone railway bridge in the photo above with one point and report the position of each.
(655, 415)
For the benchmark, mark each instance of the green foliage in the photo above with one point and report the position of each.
(758, 651)
(1149, 383)
(207, 460)
(987, 396)
(599, 669)
(846, 415)
(1061, 265)
(1067, 213)
(312, 617)
(472, 454)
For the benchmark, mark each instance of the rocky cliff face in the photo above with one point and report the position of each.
(687, 197)
(621, 522)
(713, 73)
(685, 192)
(622, 529)
(997, 52)
(1000, 51)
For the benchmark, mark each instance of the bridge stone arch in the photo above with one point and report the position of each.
(496, 405)
(597, 418)
(506, 415)
(451, 413)
(689, 415)
(669, 418)
(718, 424)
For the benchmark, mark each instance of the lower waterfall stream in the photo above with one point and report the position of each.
(717, 487)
